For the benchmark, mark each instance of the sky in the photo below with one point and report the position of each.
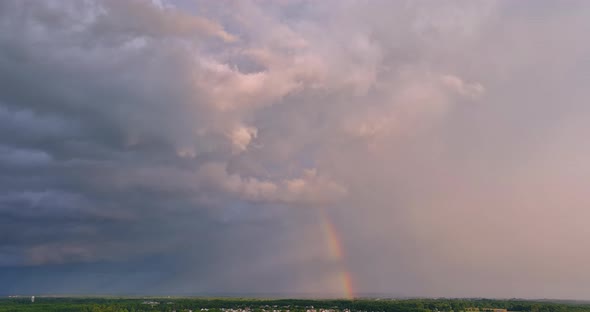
(295, 148)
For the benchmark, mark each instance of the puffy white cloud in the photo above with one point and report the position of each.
(242, 136)
(459, 86)
(309, 189)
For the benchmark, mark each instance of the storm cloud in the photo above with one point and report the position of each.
(200, 147)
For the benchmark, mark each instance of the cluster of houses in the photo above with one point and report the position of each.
(264, 309)
(310, 309)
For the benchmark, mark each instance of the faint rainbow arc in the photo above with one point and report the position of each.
(337, 253)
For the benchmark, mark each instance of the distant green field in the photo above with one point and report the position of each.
(53, 304)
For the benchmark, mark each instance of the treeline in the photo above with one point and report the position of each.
(45, 304)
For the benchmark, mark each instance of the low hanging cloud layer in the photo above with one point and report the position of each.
(196, 147)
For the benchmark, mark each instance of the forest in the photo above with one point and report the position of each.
(171, 304)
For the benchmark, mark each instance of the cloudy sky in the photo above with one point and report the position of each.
(295, 148)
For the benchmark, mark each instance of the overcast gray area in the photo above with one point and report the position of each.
(415, 148)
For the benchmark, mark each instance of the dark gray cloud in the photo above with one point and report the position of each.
(193, 147)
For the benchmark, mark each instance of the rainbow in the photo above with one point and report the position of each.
(337, 254)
